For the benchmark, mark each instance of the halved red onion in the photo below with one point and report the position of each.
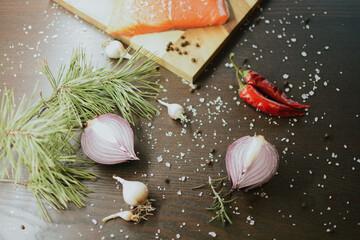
(251, 162)
(108, 139)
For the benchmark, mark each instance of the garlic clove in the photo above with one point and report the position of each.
(116, 50)
(134, 192)
(126, 215)
(175, 111)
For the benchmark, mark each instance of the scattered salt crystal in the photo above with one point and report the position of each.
(286, 76)
(304, 54)
(202, 100)
(159, 158)
(94, 221)
(112, 235)
(213, 234)
(179, 193)
(167, 164)
(178, 236)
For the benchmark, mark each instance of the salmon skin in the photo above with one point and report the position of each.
(133, 17)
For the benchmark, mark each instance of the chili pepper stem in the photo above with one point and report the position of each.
(238, 71)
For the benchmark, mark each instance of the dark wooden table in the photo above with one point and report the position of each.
(315, 194)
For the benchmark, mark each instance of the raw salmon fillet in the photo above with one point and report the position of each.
(133, 17)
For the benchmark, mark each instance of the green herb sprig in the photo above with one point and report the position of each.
(218, 205)
(42, 137)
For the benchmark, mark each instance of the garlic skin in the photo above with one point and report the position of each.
(115, 49)
(134, 192)
(175, 111)
(251, 162)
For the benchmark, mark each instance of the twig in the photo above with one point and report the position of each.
(13, 182)
(219, 202)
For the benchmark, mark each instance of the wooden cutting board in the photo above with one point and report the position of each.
(210, 39)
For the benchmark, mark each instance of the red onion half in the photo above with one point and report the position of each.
(108, 139)
(251, 162)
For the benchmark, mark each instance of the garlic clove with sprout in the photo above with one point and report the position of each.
(115, 49)
(108, 139)
(175, 111)
(126, 215)
(134, 192)
(251, 162)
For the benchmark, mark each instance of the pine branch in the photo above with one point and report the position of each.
(130, 98)
(78, 90)
(43, 136)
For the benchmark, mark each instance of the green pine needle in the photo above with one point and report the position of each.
(42, 137)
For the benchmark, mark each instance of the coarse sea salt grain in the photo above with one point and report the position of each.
(286, 76)
(94, 221)
(213, 234)
(159, 158)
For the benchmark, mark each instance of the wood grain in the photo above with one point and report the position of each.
(211, 39)
(321, 173)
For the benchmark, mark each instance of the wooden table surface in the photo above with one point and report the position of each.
(314, 195)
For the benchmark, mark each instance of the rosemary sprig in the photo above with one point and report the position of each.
(42, 136)
(218, 205)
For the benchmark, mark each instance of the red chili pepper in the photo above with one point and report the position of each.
(253, 97)
(255, 79)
